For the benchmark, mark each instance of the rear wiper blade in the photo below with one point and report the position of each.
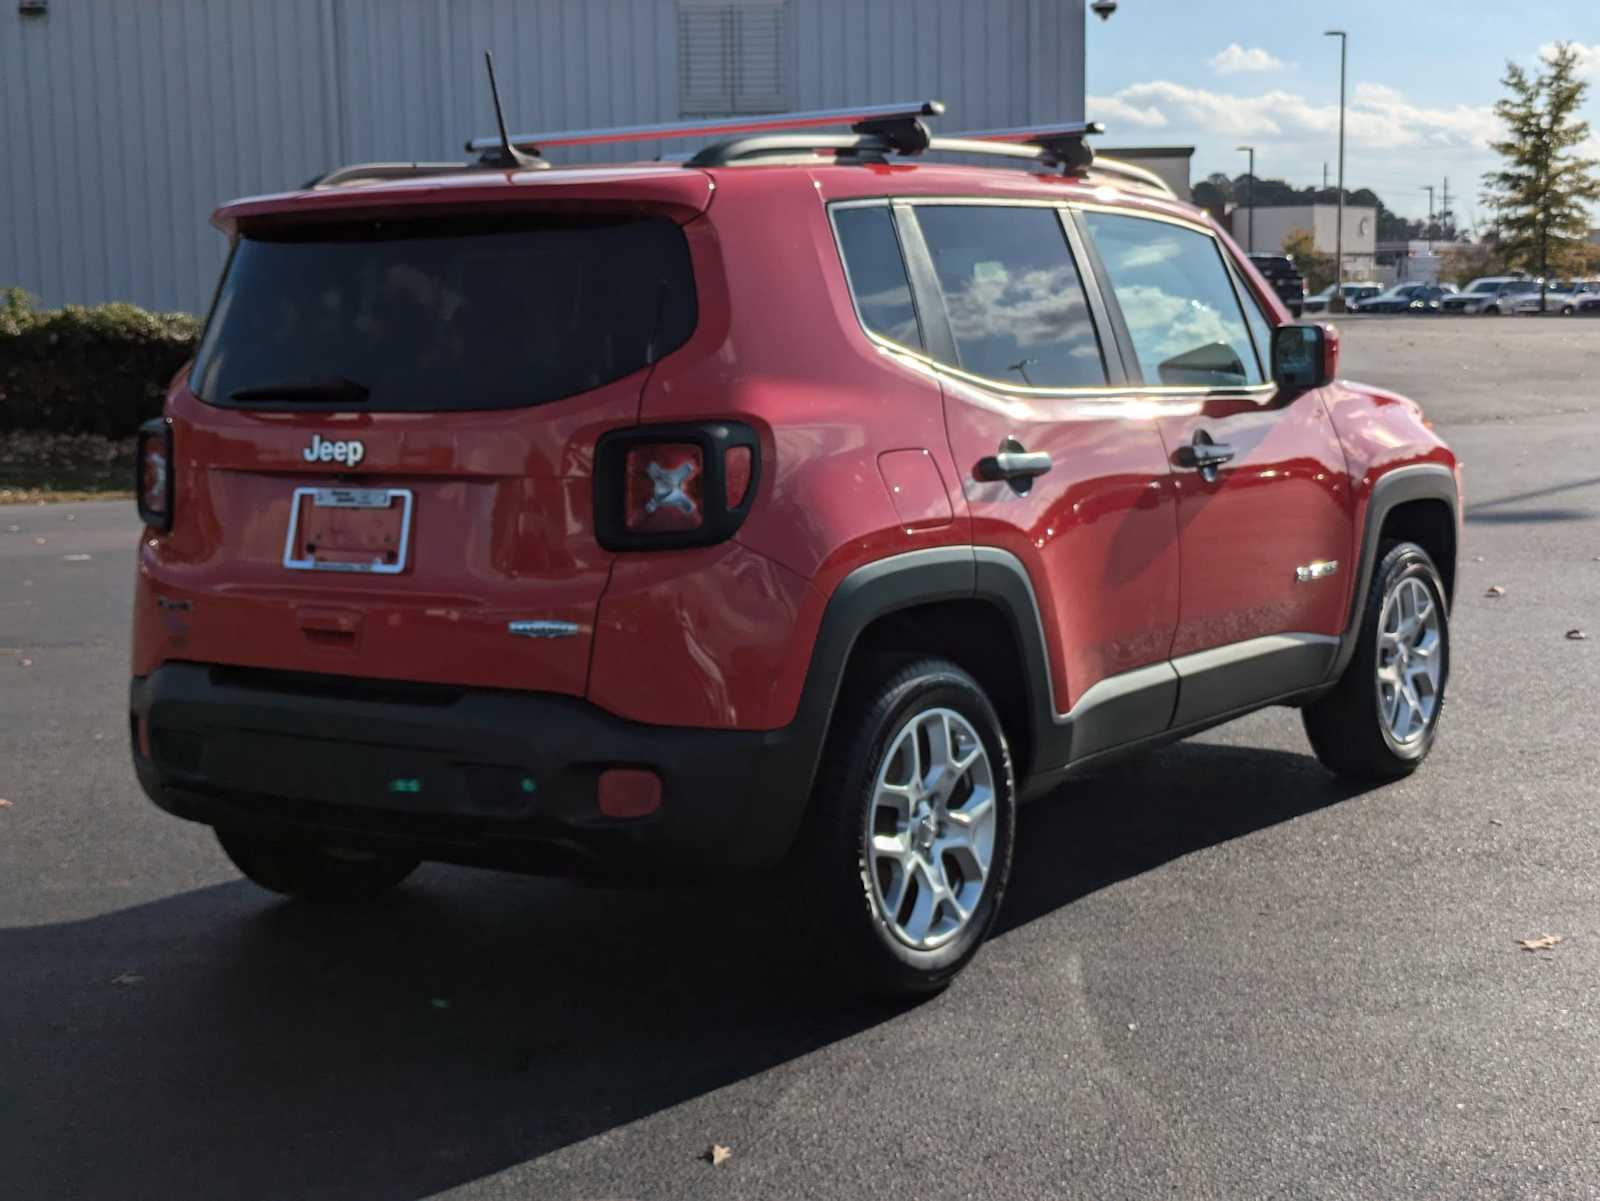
(335, 388)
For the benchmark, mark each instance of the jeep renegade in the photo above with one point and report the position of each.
(802, 506)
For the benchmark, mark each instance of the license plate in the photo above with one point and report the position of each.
(349, 529)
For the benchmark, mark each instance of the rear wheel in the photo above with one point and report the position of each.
(312, 871)
(1380, 720)
(913, 818)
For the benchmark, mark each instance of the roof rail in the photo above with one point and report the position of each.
(875, 117)
(364, 172)
(1062, 145)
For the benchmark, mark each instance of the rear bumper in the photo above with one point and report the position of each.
(485, 777)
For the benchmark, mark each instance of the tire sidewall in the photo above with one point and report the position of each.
(1403, 562)
(943, 687)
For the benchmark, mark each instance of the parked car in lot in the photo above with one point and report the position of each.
(1405, 298)
(1285, 278)
(1492, 295)
(1586, 304)
(506, 520)
(1559, 296)
(1354, 293)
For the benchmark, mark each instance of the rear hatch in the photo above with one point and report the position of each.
(384, 447)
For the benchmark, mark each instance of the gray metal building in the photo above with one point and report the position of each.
(127, 121)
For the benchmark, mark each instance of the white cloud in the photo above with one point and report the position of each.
(1236, 59)
(1380, 118)
(1588, 58)
(1120, 113)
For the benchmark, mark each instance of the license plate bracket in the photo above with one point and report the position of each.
(349, 529)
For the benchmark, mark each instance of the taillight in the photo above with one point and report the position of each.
(663, 488)
(153, 472)
(669, 486)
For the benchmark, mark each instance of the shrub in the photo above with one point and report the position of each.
(77, 370)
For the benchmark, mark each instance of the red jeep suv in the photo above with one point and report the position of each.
(800, 506)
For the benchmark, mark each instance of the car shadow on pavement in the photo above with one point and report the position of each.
(219, 1044)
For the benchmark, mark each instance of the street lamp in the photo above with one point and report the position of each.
(1428, 188)
(1336, 305)
(1250, 195)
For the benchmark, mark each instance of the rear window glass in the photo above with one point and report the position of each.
(877, 273)
(418, 316)
(1014, 298)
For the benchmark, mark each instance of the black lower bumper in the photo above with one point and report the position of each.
(469, 776)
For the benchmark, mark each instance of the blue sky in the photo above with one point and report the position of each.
(1423, 79)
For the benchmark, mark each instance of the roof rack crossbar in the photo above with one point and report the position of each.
(875, 114)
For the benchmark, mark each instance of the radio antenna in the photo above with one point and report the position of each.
(505, 155)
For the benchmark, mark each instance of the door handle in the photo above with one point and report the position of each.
(1014, 465)
(1203, 455)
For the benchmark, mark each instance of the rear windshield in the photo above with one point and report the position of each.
(418, 316)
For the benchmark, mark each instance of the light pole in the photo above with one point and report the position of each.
(1428, 188)
(1250, 196)
(1336, 305)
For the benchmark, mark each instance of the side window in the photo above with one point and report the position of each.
(1013, 295)
(877, 273)
(1260, 327)
(1179, 304)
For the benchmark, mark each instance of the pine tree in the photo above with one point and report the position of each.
(1540, 196)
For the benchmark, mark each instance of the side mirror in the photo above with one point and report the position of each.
(1304, 356)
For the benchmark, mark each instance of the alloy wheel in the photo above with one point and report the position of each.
(1410, 661)
(930, 829)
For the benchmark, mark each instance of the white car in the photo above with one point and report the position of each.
(1559, 297)
(1493, 295)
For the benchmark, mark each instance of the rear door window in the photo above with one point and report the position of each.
(1013, 295)
(443, 314)
(1178, 302)
(877, 273)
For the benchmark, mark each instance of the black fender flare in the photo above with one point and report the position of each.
(1419, 481)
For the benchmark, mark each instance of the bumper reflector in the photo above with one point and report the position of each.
(629, 792)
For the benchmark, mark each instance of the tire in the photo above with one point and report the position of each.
(1567, 310)
(873, 899)
(1492, 310)
(311, 871)
(1353, 730)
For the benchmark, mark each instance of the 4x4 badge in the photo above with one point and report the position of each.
(321, 451)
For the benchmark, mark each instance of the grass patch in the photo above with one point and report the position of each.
(46, 468)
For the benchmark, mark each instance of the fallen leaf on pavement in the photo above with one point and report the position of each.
(128, 978)
(27, 663)
(1495, 590)
(4, 804)
(40, 541)
(1576, 635)
(1495, 821)
(1543, 943)
(717, 1155)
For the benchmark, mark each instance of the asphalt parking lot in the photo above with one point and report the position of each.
(1219, 974)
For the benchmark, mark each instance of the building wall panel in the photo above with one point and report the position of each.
(128, 123)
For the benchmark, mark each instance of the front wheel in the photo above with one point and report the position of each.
(913, 822)
(1380, 720)
(313, 872)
